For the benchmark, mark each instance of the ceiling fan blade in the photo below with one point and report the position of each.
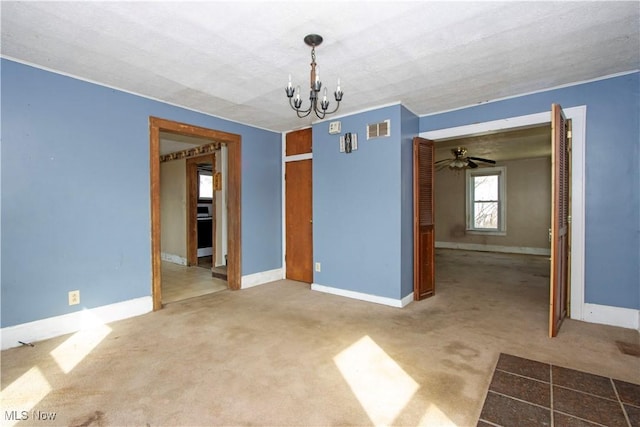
(493, 162)
(443, 160)
(471, 164)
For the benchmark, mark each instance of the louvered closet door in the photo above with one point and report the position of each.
(424, 284)
(560, 166)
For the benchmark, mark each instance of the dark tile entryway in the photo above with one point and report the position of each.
(524, 393)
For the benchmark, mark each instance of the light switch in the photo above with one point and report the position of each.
(334, 127)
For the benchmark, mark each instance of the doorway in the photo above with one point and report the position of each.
(233, 229)
(576, 182)
(493, 220)
(201, 210)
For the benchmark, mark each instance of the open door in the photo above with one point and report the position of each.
(424, 284)
(560, 166)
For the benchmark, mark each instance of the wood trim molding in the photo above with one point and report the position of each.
(156, 261)
(234, 244)
(234, 217)
(191, 152)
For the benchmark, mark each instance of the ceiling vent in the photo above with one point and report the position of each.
(377, 130)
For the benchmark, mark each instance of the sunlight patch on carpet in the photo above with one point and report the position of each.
(23, 395)
(435, 417)
(381, 386)
(79, 345)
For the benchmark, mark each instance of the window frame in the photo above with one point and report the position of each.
(501, 173)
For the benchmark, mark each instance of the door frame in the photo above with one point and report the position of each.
(234, 242)
(578, 116)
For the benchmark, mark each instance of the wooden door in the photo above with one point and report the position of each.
(560, 165)
(424, 284)
(299, 247)
(299, 206)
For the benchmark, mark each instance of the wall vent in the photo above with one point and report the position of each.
(377, 130)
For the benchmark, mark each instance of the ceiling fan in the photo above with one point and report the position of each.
(461, 160)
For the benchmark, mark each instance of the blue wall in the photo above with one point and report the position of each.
(357, 210)
(612, 271)
(410, 126)
(75, 206)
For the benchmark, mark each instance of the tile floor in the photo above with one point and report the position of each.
(524, 393)
(180, 282)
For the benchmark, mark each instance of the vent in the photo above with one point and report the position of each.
(378, 130)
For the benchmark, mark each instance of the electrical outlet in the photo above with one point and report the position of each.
(74, 297)
(318, 267)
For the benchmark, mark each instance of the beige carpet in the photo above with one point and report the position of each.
(281, 354)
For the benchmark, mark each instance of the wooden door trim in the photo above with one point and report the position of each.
(234, 245)
(192, 206)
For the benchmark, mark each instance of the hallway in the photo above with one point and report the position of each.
(180, 282)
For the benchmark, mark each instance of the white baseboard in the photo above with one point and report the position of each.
(407, 300)
(614, 316)
(494, 248)
(362, 296)
(73, 322)
(176, 259)
(205, 251)
(261, 278)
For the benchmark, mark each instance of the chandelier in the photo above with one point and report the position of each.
(320, 109)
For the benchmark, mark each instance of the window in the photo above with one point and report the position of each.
(486, 200)
(205, 185)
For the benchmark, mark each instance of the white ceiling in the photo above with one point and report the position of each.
(232, 59)
(524, 143)
(173, 142)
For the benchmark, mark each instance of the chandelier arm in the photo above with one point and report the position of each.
(298, 111)
(291, 104)
(302, 116)
(335, 109)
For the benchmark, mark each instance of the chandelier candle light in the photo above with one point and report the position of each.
(295, 102)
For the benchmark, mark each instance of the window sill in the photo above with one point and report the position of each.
(487, 232)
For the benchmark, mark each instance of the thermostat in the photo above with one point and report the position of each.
(334, 127)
